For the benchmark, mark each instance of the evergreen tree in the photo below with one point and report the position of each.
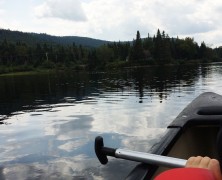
(166, 50)
(148, 43)
(158, 47)
(162, 50)
(137, 52)
(202, 50)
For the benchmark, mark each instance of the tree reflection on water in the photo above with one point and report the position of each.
(49, 121)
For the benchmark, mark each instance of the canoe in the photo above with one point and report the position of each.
(195, 131)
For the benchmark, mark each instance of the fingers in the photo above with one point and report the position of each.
(206, 163)
(214, 163)
(214, 166)
(199, 162)
(190, 161)
(194, 161)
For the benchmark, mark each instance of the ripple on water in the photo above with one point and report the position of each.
(130, 109)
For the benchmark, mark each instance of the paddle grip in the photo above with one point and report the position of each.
(102, 152)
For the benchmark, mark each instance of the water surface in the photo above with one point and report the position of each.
(49, 121)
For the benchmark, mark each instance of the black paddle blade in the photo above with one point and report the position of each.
(99, 150)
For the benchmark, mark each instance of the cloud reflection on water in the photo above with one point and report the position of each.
(61, 140)
(56, 140)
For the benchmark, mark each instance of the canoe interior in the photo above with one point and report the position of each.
(195, 141)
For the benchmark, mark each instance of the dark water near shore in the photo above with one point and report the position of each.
(49, 121)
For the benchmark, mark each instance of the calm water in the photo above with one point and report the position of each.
(49, 122)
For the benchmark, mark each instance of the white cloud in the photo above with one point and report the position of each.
(64, 9)
(116, 20)
(120, 20)
(175, 17)
(73, 145)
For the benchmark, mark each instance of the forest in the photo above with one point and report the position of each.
(19, 55)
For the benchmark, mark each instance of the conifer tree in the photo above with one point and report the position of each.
(158, 47)
(137, 52)
(162, 51)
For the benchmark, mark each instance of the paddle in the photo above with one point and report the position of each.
(102, 153)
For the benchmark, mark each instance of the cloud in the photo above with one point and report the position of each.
(192, 18)
(116, 20)
(63, 9)
(175, 17)
(73, 145)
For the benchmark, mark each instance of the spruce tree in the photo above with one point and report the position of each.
(137, 53)
(162, 51)
(158, 47)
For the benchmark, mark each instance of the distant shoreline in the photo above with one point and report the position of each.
(46, 71)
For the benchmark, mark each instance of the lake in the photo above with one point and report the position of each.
(48, 122)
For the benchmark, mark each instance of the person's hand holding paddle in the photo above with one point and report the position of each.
(205, 163)
(196, 168)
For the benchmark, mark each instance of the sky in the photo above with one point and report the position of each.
(116, 20)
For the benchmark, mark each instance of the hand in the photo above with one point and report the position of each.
(206, 163)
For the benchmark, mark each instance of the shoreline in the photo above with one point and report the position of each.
(82, 68)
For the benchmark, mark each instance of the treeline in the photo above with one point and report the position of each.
(34, 38)
(157, 50)
(161, 49)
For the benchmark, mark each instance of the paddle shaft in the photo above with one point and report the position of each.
(150, 158)
(102, 153)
